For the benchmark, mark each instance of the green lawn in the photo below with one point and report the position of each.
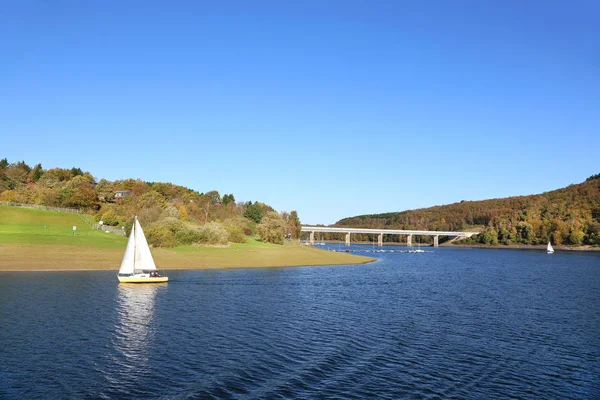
(26, 225)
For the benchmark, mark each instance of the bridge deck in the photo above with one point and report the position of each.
(384, 231)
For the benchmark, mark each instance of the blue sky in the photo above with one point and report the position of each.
(334, 109)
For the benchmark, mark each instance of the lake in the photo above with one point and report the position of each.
(449, 323)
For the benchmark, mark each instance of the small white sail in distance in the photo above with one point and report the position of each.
(137, 255)
(549, 249)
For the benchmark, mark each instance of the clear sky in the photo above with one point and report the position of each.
(332, 108)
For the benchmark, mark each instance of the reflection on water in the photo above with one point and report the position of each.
(134, 333)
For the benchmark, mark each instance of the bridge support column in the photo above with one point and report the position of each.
(348, 239)
(409, 241)
(435, 241)
(312, 239)
(380, 240)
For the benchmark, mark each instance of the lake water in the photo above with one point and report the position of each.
(451, 323)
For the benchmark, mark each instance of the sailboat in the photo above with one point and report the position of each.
(549, 249)
(418, 250)
(138, 265)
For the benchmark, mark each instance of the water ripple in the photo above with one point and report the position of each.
(451, 324)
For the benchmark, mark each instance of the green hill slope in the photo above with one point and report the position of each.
(568, 216)
(25, 225)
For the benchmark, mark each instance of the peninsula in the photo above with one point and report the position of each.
(32, 239)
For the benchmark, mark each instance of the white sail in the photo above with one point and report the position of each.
(550, 249)
(143, 257)
(129, 256)
(137, 255)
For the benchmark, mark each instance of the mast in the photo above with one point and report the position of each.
(134, 243)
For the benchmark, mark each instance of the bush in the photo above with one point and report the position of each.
(171, 212)
(171, 232)
(213, 233)
(159, 235)
(109, 218)
(235, 229)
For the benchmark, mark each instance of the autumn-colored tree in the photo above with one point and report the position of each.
(272, 228)
(576, 236)
(80, 193)
(183, 214)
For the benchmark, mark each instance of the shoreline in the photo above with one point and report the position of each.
(523, 247)
(210, 268)
(21, 257)
(480, 246)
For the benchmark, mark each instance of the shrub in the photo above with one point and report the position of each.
(109, 218)
(171, 212)
(171, 232)
(213, 233)
(235, 229)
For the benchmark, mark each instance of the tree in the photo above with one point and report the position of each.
(254, 212)
(557, 237)
(36, 173)
(295, 225)
(272, 228)
(597, 176)
(215, 197)
(3, 163)
(576, 236)
(16, 174)
(227, 199)
(76, 171)
(79, 193)
(489, 236)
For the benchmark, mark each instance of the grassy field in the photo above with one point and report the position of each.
(43, 240)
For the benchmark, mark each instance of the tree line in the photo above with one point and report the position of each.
(567, 216)
(172, 214)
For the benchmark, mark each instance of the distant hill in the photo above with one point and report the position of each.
(568, 216)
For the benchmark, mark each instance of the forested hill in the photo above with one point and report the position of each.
(565, 216)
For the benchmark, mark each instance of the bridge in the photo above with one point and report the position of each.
(380, 232)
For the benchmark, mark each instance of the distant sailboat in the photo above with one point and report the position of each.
(418, 250)
(138, 265)
(549, 250)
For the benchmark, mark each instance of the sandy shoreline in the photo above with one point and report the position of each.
(38, 257)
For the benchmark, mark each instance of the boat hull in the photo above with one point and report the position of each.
(143, 279)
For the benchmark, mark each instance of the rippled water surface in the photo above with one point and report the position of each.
(452, 323)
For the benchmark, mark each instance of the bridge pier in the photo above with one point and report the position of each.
(435, 241)
(380, 240)
(409, 241)
(312, 239)
(348, 239)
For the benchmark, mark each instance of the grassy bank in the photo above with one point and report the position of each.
(43, 240)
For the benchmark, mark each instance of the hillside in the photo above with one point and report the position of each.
(569, 216)
(43, 240)
(175, 215)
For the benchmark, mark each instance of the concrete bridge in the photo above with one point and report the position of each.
(381, 232)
